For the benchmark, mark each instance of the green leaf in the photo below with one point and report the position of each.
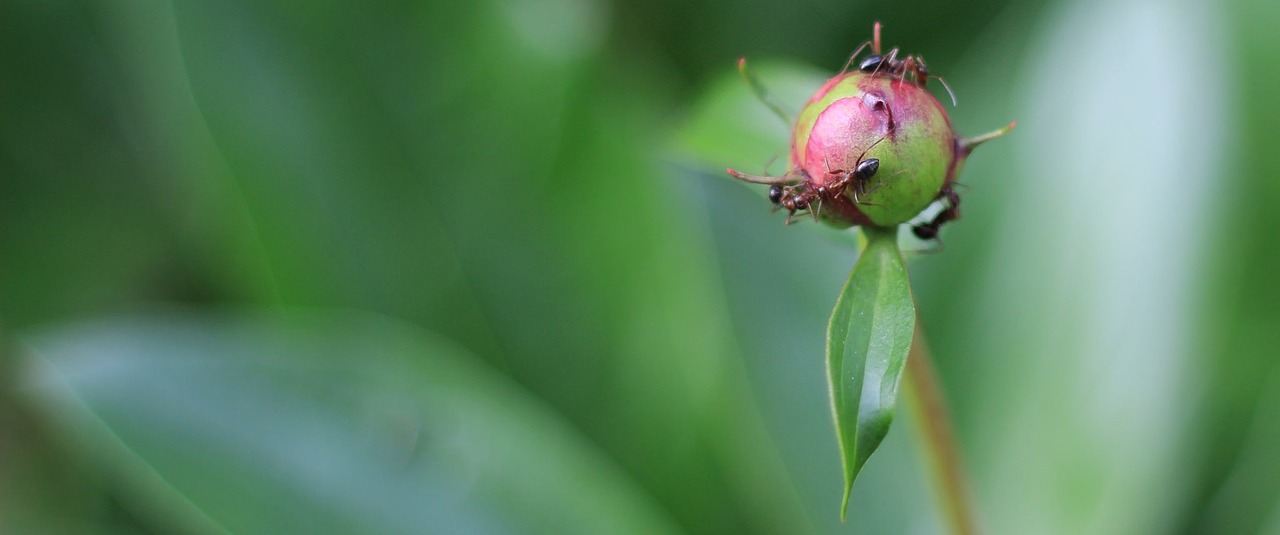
(325, 423)
(729, 126)
(867, 344)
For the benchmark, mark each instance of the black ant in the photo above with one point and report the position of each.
(796, 193)
(929, 230)
(913, 65)
(891, 65)
(874, 43)
(790, 191)
(858, 177)
(793, 197)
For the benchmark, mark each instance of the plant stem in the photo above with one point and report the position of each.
(939, 446)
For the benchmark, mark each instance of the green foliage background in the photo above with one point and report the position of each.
(474, 267)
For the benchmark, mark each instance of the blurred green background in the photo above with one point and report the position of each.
(474, 267)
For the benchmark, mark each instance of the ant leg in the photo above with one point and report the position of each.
(858, 200)
(818, 211)
(909, 65)
(885, 179)
(826, 164)
(868, 149)
(888, 60)
(873, 189)
(791, 221)
(761, 93)
(854, 56)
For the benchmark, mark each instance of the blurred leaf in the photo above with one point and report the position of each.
(867, 344)
(324, 424)
(1074, 332)
(730, 127)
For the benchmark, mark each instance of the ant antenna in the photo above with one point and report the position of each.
(947, 86)
(872, 146)
(873, 189)
(791, 221)
(760, 92)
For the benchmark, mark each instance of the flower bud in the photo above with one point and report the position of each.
(872, 147)
(859, 117)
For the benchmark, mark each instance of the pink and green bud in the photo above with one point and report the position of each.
(858, 116)
(886, 119)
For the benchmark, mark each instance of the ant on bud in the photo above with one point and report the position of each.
(792, 192)
(913, 65)
(858, 177)
(792, 198)
(892, 66)
(795, 193)
(929, 230)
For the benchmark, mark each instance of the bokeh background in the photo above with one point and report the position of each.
(474, 267)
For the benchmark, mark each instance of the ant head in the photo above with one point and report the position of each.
(867, 168)
(799, 202)
(775, 194)
(922, 70)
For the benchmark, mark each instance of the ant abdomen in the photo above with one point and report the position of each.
(871, 63)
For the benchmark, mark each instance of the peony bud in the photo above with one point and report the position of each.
(858, 117)
(872, 147)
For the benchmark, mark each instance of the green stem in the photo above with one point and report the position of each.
(761, 93)
(968, 144)
(939, 447)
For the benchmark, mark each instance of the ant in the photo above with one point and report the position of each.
(929, 230)
(796, 193)
(858, 177)
(913, 65)
(890, 64)
(792, 191)
(792, 195)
